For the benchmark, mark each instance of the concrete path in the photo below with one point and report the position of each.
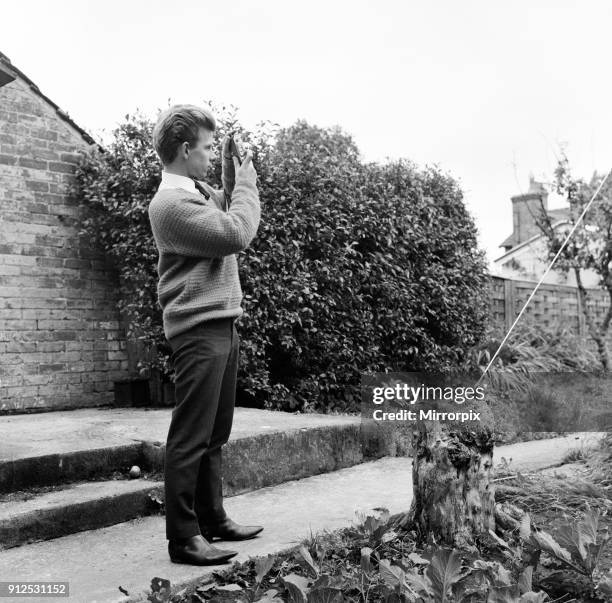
(38, 434)
(536, 454)
(130, 554)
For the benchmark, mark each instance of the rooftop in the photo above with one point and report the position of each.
(8, 72)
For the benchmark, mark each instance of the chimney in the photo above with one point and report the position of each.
(526, 208)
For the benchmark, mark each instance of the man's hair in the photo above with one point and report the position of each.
(178, 124)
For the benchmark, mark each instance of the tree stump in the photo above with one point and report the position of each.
(454, 500)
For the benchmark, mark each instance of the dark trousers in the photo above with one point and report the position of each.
(205, 360)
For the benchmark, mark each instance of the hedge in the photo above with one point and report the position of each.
(356, 266)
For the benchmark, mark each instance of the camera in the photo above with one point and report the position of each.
(236, 148)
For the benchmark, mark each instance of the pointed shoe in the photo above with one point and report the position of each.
(197, 551)
(229, 530)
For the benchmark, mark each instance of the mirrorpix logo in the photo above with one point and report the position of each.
(399, 402)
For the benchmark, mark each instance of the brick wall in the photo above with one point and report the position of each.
(62, 343)
(551, 304)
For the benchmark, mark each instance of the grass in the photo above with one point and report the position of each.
(577, 455)
(590, 484)
(543, 493)
(553, 404)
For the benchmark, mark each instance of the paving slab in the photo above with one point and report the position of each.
(87, 444)
(131, 554)
(537, 454)
(249, 463)
(74, 508)
(59, 432)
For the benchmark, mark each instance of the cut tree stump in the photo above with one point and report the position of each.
(454, 499)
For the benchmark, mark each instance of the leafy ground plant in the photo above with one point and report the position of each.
(576, 546)
(573, 557)
(372, 561)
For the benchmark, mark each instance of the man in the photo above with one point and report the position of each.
(198, 233)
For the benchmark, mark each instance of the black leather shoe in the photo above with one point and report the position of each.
(229, 530)
(196, 551)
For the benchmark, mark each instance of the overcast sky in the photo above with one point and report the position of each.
(486, 90)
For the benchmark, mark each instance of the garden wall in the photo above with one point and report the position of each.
(62, 342)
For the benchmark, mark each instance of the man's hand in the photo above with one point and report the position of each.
(247, 169)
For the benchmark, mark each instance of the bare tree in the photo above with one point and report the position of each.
(589, 248)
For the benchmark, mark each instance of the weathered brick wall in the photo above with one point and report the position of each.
(550, 305)
(62, 342)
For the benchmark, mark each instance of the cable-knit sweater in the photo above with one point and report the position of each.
(197, 242)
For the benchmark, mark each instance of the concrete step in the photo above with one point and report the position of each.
(30, 517)
(42, 498)
(129, 555)
(265, 447)
(27, 517)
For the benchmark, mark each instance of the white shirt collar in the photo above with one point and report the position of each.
(175, 181)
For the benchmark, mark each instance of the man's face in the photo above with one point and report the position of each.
(199, 155)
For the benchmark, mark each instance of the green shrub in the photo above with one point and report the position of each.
(356, 266)
(116, 184)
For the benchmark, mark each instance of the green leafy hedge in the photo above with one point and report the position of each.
(356, 266)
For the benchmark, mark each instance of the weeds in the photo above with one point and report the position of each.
(541, 493)
(577, 455)
(371, 562)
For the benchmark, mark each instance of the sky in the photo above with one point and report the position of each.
(486, 90)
